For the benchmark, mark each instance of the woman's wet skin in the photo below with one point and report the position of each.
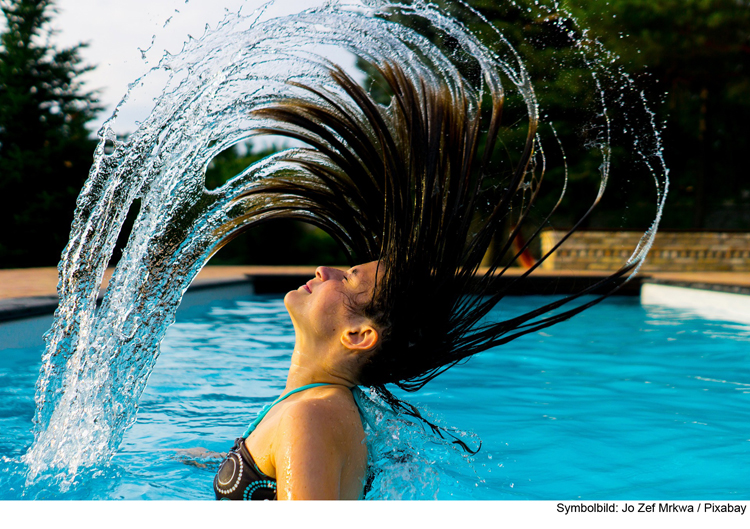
(312, 443)
(321, 308)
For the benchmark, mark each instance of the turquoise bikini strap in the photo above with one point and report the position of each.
(267, 408)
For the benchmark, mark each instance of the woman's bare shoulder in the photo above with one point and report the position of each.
(331, 411)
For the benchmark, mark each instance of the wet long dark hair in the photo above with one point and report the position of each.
(412, 184)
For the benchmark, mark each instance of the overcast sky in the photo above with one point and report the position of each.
(116, 29)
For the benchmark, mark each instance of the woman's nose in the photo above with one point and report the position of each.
(323, 273)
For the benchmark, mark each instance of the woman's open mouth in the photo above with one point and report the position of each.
(307, 287)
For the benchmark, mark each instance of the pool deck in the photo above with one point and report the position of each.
(33, 291)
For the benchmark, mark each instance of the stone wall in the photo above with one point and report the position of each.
(672, 251)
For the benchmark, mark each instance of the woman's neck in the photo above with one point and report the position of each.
(303, 371)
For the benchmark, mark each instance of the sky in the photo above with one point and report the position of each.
(117, 30)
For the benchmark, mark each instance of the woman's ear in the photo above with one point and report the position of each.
(360, 338)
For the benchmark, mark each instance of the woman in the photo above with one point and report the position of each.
(410, 189)
(311, 445)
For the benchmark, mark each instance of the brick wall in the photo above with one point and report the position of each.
(672, 251)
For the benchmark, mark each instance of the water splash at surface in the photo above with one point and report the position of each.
(98, 359)
(404, 462)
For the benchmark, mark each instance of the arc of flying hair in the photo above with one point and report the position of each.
(388, 182)
(400, 184)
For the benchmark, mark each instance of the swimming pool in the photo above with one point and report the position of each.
(623, 402)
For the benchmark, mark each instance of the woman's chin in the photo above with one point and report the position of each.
(293, 298)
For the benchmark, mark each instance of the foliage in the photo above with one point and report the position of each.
(698, 52)
(45, 151)
(691, 58)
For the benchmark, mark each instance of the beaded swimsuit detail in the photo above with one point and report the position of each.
(239, 478)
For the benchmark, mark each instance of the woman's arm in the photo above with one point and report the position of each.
(318, 449)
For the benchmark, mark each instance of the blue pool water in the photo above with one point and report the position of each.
(622, 402)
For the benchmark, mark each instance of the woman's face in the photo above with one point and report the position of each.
(320, 309)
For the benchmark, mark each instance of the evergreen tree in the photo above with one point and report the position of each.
(45, 150)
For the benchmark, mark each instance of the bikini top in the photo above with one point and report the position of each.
(239, 477)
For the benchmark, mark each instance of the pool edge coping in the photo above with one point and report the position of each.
(18, 308)
(12, 309)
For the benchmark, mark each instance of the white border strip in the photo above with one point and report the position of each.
(379, 515)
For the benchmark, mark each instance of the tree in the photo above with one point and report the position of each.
(692, 60)
(548, 43)
(45, 149)
(698, 52)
